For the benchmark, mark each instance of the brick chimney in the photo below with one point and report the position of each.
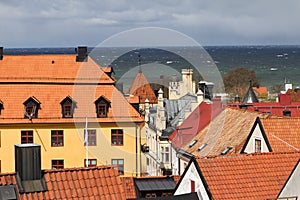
(1, 53)
(82, 55)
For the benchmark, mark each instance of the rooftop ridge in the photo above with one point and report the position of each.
(246, 155)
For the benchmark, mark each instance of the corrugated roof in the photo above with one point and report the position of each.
(247, 176)
(146, 184)
(229, 129)
(283, 134)
(101, 182)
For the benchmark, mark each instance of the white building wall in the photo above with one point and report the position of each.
(292, 188)
(185, 184)
(257, 134)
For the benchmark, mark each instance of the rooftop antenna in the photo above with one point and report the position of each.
(139, 63)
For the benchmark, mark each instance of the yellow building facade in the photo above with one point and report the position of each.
(72, 109)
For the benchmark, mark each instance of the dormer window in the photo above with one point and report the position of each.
(102, 106)
(67, 107)
(31, 107)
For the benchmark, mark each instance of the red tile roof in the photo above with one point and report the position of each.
(35, 75)
(229, 129)
(141, 87)
(283, 134)
(247, 176)
(101, 182)
(195, 122)
(276, 108)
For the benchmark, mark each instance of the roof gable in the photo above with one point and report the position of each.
(229, 129)
(262, 135)
(292, 185)
(250, 96)
(192, 172)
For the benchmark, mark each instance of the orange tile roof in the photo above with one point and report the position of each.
(247, 176)
(61, 68)
(141, 87)
(283, 134)
(260, 90)
(100, 182)
(229, 129)
(35, 75)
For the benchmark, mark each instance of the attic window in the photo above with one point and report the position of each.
(193, 143)
(102, 105)
(67, 107)
(226, 150)
(202, 147)
(31, 107)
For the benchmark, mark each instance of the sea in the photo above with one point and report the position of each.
(273, 65)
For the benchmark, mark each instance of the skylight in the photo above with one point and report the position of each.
(193, 143)
(202, 147)
(226, 150)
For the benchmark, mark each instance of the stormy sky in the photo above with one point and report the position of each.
(68, 23)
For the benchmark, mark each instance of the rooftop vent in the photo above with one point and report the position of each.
(226, 150)
(82, 54)
(193, 143)
(1, 53)
(286, 113)
(28, 168)
(202, 147)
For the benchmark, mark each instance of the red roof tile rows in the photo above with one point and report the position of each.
(50, 82)
(77, 183)
(247, 176)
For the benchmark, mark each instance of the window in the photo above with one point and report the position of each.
(118, 163)
(165, 154)
(26, 137)
(68, 105)
(193, 186)
(90, 139)
(101, 110)
(117, 137)
(57, 164)
(31, 106)
(57, 138)
(257, 145)
(90, 162)
(102, 105)
(150, 195)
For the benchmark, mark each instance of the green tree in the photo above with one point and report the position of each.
(237, 81)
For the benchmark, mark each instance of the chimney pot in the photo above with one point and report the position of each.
(1, 53)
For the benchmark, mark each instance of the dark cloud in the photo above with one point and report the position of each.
(72, 22)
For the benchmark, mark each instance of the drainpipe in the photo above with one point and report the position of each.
(140, 149)
(136, 153)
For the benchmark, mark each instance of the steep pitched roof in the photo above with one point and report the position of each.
(250, 96)
(283, 134)
(141, 87)
(247, 176)
(101, 182)
(229, 129)
(51, 78)
(196, 121)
